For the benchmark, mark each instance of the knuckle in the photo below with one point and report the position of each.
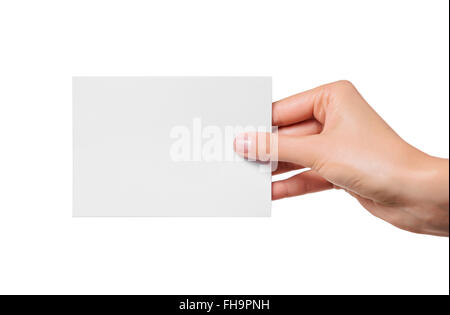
(307, 188)
(285, 190)
(344, 86)
(339, 90)
(329, 92)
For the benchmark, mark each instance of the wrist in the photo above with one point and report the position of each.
(436, 183)
(427, 189)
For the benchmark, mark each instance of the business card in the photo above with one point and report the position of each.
(163, 146)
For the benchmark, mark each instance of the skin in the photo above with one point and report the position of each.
(344, 144)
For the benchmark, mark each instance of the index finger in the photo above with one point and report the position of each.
(298, 107)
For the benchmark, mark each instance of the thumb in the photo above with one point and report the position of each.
(301, 150)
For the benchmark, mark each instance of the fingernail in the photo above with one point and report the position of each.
(241, 144)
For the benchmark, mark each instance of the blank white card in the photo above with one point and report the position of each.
(163, 146)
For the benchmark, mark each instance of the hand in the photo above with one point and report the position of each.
(333, 131)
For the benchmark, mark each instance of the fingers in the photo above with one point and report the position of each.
(300, 184)
(297, 108)
(310, 104)
(305, 128)
(305, 150)
(301, 118)
(308, 127)
(300, 150)
(284, 167)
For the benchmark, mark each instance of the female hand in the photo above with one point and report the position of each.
(333, 131)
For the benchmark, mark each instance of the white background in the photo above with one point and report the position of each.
(395, 52)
